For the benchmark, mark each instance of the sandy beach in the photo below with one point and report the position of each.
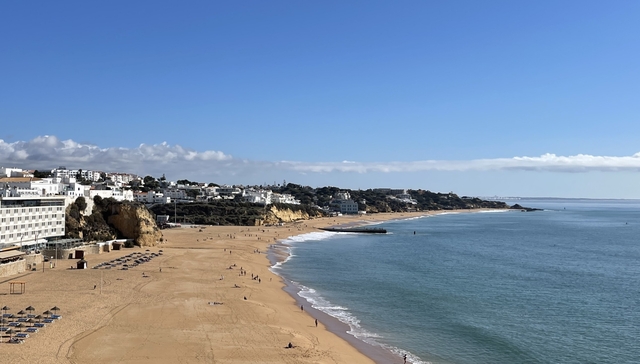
(192, 304)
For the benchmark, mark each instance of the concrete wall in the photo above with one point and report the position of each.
(29, 261)
(66, 253)
(13, 268)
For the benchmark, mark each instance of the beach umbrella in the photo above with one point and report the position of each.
(30, 309)
(5, 309)
(55, 308)
(38, 317)
(21, 313)
(46, 313)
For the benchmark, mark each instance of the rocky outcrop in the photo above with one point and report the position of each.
(524, 209)
(275, 215)
(111, 219)
(134, 221)
(89, 228)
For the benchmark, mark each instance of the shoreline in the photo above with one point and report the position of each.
(377, 352)
(190, 304)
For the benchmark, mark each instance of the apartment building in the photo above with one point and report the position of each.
(26, 219)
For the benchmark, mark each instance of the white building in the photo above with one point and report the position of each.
(262, 197)
(121, 179)
(151, 197)
(43, 186)
(116, 194)
(228, 192)
(284, 198)
(27, 220)
(75, 190)
(344, 204)
(12, 172)
(175, 193)
(406, 198)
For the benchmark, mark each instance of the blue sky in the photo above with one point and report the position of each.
(420, 94)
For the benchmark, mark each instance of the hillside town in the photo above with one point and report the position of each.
(33, 203)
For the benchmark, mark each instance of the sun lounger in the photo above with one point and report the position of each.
(57, 317)
(23, 319)
(38, 324)
(47, 321)
(21, 335)
(31, 316)
(4, 328)
(14, 340)
(31, 330)
(7, 315)
(15, 324)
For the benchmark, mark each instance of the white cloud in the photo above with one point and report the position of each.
(49, 152)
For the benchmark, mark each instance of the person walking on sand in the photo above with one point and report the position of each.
(405, 358)
(316, 322)
(301, 308)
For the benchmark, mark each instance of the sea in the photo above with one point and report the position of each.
(560, 285)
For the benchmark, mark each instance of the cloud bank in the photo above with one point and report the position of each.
(46, 152)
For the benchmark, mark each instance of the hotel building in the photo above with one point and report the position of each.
(27, 219)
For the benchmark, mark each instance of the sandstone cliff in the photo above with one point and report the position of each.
(275, 215)
(134, 221)
(111, 219)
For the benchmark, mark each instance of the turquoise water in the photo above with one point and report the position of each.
(554, 286)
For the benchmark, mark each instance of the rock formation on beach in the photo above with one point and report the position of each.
(134, 221)
(111, 219)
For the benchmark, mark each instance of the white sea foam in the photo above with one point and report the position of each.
(447, 213)
(341, 313)
(308, 236)
(345, 316)
(285, 247)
